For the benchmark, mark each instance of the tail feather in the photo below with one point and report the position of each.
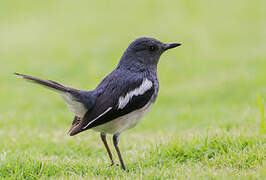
(47, 83)
(76, 122)
(79, 102)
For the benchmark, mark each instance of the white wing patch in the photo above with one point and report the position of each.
(145, 86)
(108, 109)
(74, 106)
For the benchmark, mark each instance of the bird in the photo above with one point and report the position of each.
(121, 99)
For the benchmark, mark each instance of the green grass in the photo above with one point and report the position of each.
(206, 123)
(262, 117)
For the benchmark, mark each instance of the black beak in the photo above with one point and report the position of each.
(171, 45)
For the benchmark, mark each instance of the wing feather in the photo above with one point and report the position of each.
(118, 97)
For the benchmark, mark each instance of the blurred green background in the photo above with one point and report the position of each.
(209, 84)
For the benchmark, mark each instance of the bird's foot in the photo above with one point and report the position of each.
(124, 168)
(112, 163)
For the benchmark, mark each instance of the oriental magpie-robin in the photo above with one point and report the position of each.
(123, 96)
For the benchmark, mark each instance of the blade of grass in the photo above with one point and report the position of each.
(261, 109)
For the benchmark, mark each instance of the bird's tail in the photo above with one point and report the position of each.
(78, 101)
(47, 83)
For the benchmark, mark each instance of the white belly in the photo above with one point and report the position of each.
(124, 122)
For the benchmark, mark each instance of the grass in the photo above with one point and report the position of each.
(206, 123)
(262, 117)
(218, 154)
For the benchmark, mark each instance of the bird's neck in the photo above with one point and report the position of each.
(130, 63)
(137, 68)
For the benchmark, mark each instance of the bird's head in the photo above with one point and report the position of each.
(145, 51)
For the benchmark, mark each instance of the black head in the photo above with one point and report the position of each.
(145, 51)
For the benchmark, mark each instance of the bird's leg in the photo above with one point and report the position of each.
(116, 140)
(103, 137)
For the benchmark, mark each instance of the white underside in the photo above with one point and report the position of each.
(125, 122)
(74, 106)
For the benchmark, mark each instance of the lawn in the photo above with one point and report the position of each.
(206, 123)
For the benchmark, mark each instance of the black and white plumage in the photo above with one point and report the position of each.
(121, 99)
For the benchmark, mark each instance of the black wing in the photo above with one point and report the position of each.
(107, 108)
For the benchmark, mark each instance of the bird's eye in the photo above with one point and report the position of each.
(152, 48)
